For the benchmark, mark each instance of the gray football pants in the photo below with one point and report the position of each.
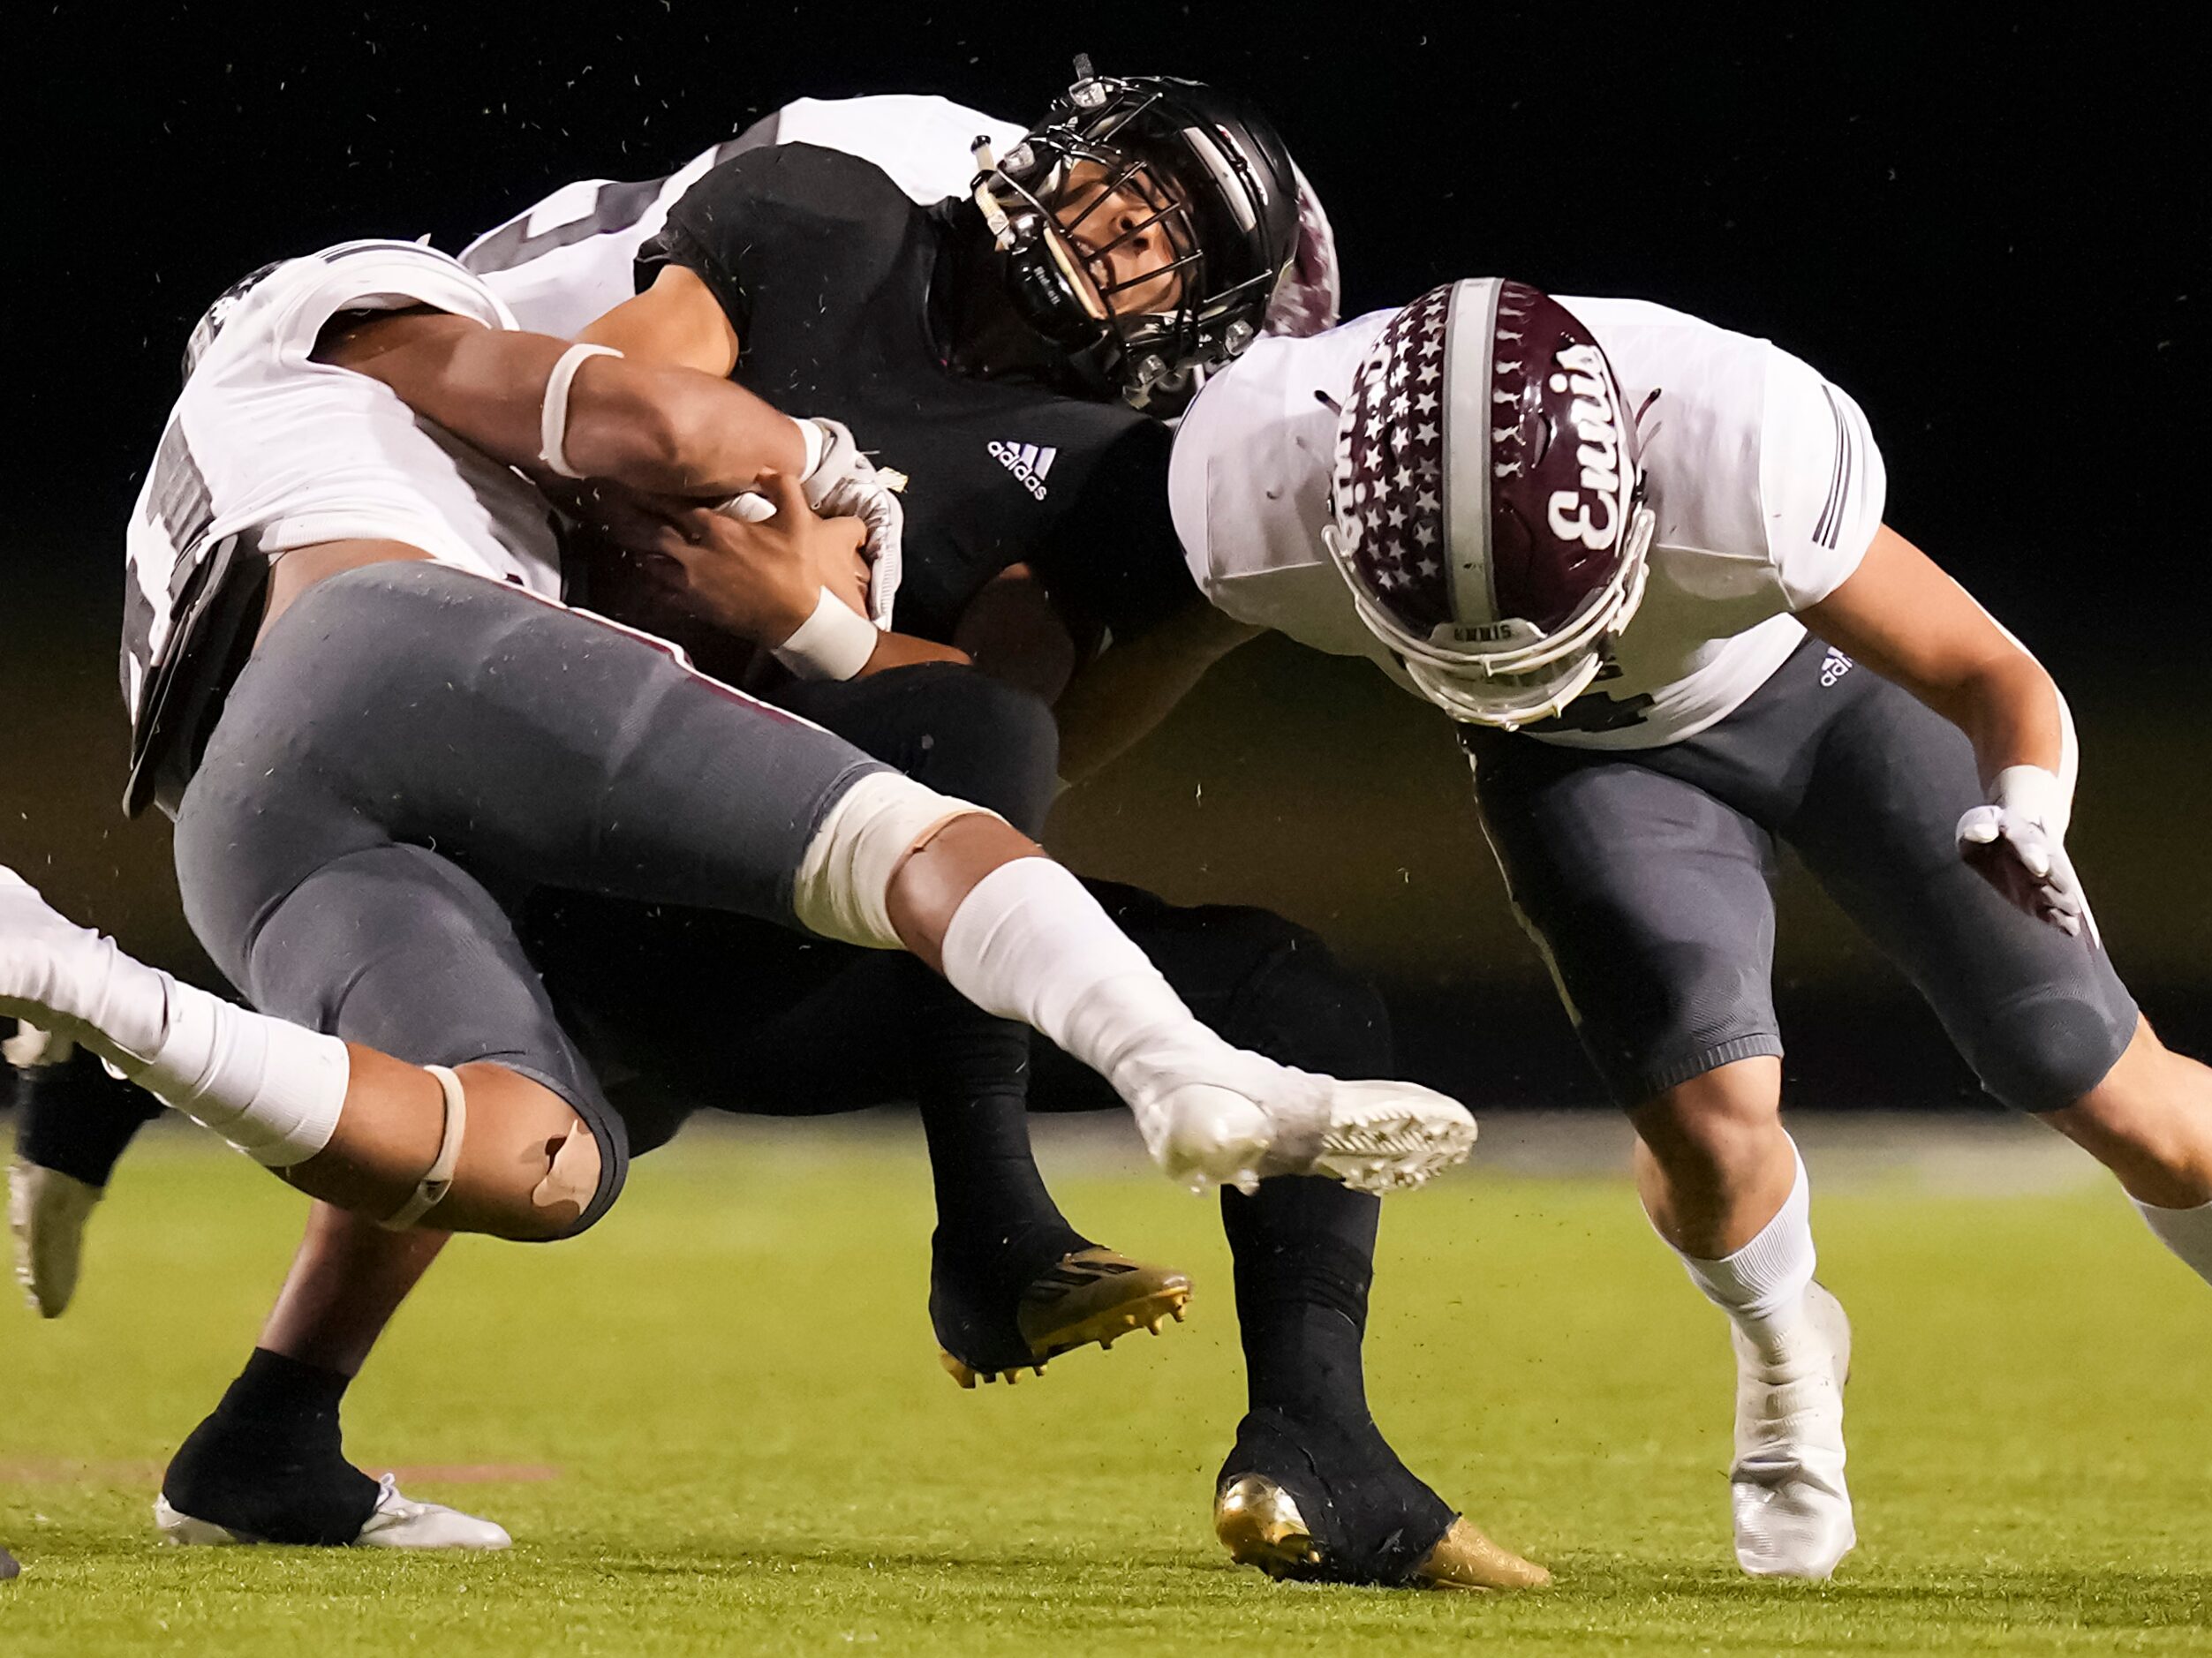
(409, 746)
(1645, 877)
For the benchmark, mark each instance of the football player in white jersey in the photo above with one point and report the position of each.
(355, 651)
(1642, 561)
(556, 266)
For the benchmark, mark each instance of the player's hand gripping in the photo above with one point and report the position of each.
(760, 576)
(846, 484)
(2017, 843)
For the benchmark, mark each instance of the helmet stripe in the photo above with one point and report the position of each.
(1470, 340)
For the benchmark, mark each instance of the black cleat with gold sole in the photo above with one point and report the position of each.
(1319, 1505)
(1089, 1296)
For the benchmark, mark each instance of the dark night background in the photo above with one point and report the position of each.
(1993, 236)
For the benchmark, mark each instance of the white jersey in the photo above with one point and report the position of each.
(1766, 482)
(269, 444)
(573, 256)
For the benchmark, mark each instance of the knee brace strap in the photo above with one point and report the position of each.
(842, 888)
(439, 1180)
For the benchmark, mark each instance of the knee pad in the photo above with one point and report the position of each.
(2044, 1053)
(843, 887)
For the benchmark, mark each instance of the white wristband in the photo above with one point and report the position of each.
(2036, 795)
(552, 413)
(834, 643)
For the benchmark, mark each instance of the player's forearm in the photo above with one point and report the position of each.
(2012, 713)
(659, 430)
(1904, 618)
(676, 430)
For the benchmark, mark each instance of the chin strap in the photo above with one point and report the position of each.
(994, 217)
(439, 1179)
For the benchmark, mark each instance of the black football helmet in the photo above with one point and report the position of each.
(1216, 185)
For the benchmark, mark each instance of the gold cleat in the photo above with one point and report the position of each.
(1466, 1559)
(1259, 1523)
(1260, 1526)
(1091, 1295)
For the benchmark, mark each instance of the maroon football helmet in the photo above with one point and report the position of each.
(1489, 501)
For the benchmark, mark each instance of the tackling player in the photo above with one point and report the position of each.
(343, 472)
(1642, 561)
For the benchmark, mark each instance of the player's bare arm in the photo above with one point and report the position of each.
(762, 579)
(1105, 706)
(1011, 632)
(652, 426)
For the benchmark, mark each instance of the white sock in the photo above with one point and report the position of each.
(273, 1088)
(2186, 1232)
(1028, 942)
(1762, 1287)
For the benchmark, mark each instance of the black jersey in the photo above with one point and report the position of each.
(823, 267)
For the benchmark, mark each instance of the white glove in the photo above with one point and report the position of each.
(2017, 843)
(846, 484)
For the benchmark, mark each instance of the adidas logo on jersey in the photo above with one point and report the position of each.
(1833, 667)
(1027, 462)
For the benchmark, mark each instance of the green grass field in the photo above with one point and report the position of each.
(716, 1424)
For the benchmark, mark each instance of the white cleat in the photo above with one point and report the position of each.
(1373, 1137)
(48, 1212)
(1388, 1137)
(1787, 1496)
(398, 1522)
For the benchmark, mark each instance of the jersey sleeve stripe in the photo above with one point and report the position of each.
(1839, 480)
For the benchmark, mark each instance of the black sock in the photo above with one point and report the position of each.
(973, 1087)
(1304, 1250)
(270, 1461)
(998, 1229)
(76, 1118)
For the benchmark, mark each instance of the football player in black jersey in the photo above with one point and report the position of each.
(1006, 351)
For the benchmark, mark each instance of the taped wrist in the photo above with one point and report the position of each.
(438, 1180)
(843, 884)
(552, 413)
(834, 642)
